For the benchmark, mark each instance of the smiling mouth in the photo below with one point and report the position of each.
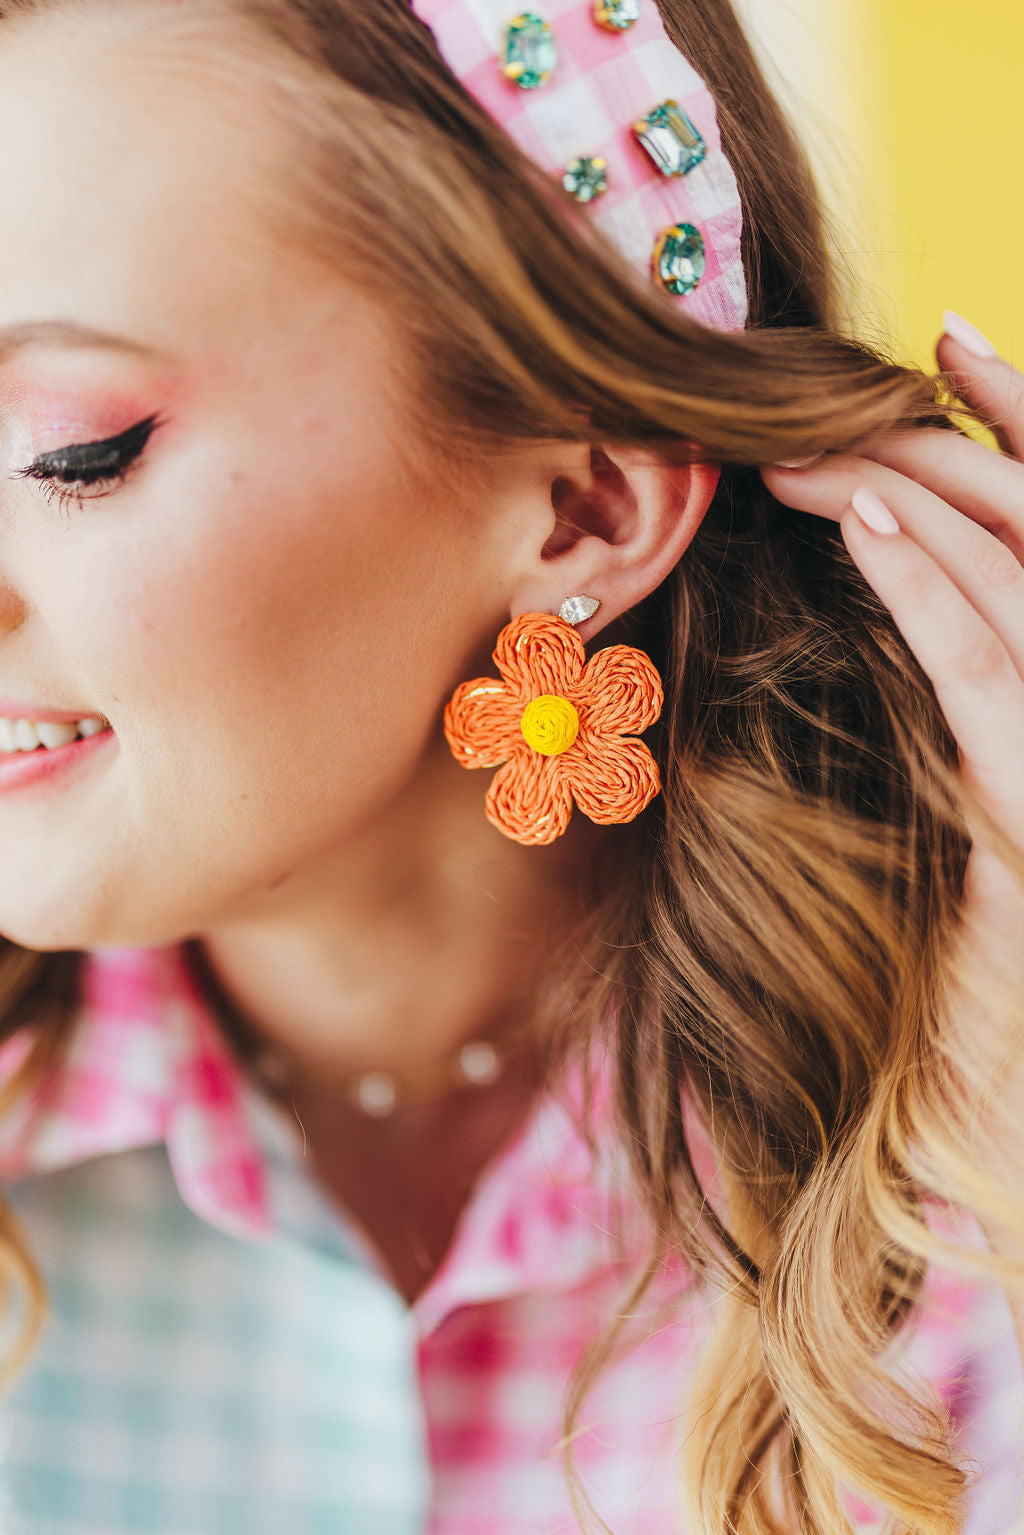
(47, 770)
(22, 736)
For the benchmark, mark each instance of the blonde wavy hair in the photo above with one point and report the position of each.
(774, 938)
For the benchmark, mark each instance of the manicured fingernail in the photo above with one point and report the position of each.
(872, 510)
(968, 335)
(798, 463)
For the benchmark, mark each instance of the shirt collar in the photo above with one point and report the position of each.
(146, 1063)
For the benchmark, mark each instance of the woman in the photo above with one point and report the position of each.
(383, 1148)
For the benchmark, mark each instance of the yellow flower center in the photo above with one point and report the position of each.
(550, 724)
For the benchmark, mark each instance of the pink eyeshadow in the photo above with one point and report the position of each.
(56, 417)
(82, 412)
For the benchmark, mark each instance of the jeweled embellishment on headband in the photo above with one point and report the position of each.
(670, 139)
(530, 52)
(586, 177)
(616, 15)
(679, 258)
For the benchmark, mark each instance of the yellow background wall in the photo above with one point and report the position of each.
(952, 87)
(914, 113)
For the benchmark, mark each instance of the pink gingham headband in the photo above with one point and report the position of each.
(597, 94)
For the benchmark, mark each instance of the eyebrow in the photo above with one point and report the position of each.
(67, 333)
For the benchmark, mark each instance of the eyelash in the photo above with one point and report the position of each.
(89, 463)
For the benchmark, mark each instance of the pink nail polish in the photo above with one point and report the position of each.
(872, 511)
(968, 335)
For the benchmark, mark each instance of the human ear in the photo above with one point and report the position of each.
(623, 519)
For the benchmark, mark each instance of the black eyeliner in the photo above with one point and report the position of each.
(95, 460)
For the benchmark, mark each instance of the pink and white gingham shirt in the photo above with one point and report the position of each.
(227, 1354)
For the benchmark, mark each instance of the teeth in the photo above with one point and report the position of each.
(51, 734)
(26, 735)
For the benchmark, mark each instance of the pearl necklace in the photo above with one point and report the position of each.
(477, 1063)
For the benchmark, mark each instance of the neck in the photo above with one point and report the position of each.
(388, 952)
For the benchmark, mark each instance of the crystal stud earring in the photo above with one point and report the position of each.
(575, 610)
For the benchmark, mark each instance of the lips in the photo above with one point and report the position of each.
(21, 709)
(47, 770)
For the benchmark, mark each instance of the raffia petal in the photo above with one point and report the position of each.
(619, 692)
(613, 778)
(482, 722)
(529, 798)
(539, 653)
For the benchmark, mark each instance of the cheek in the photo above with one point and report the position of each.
(279, 653)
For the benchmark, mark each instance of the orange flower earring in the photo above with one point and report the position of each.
(558, 727)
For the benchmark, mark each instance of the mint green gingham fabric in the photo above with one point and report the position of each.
(192, 1384)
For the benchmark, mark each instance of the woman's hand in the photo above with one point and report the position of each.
(952, 575)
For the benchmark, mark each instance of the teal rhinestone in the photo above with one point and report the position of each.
(670, 139)
(530, 53)
(616, 15)
(679, 258)
(586, 178)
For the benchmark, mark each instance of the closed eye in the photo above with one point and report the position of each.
(89, 463)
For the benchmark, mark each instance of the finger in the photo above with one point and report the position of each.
(977, 685)
(985, 381)
(985, 486)
(986, 572)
